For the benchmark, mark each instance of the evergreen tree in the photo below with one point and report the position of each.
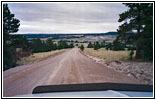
(19, 41)
(103, 44)
(138, 28)
(55, 46)
(37, 45)
(49, 44)
(117, 45)
(96, 45)
(82, 47)
(71, 45)
(109, 46)
(10, 25)
(77, 44)
(90, 45)
(9, 57)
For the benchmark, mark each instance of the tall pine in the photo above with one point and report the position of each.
(10, 25)
(137, 28)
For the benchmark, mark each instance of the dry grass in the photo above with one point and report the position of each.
(38, 56)
(108, 55)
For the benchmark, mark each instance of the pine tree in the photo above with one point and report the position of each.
(82, 47)
(117, 45)
(90, 45)
(138, 27)
(96, 45)
(49, 44)
(37, 45)
(71, 45)
(10, 25)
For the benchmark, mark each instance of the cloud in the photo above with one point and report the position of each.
(67, 17)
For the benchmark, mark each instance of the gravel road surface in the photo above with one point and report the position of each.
(70, 67)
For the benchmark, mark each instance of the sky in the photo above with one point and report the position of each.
(67, 17)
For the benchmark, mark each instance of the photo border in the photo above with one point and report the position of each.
(79, 97)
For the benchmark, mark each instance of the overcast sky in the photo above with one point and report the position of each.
(67, 17)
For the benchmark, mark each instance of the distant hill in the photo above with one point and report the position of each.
(59, 36)
(98, 34)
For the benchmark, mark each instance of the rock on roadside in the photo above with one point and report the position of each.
(142, 71)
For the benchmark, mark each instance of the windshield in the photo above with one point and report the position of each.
(76, 43)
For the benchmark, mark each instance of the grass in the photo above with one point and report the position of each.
(109, 55)
(38, 56)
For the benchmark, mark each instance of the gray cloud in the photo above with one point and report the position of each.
(67, 17)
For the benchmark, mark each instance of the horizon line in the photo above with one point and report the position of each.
(64, 33)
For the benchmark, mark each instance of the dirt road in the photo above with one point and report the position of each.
(70, 67)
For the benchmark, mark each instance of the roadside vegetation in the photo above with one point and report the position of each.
(81, 47)
(38, 56)
(44, 46)
(108, 55)
(111, 48)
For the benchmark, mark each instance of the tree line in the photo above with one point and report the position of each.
(37, 45)
(115, 45)
(43, 46)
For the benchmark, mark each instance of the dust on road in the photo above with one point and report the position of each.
(70, 67)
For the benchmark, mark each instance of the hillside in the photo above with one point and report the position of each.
(64, 35)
